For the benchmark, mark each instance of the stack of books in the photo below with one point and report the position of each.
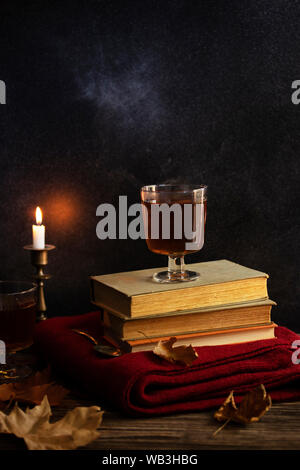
(228, 304)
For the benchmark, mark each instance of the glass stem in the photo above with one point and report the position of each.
(176, 266)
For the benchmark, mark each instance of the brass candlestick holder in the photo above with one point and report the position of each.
(39, 259)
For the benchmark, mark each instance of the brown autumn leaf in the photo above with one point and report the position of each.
(227, 410)
(77, 428)
(183, 354)
(253, 406)
(32, 390)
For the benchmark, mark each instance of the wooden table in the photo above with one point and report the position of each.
(279, 429)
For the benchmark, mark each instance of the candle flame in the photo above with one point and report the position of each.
(38, 216)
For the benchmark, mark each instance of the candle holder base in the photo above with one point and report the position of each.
(39, 259)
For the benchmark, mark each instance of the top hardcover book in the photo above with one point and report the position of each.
(135, 294)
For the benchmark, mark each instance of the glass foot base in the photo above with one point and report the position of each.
(167, 276)
(18, 367)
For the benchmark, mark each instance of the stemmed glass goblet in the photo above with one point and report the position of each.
(174, 218)
(17, 320)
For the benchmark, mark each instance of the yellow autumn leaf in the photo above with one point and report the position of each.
(77, 428)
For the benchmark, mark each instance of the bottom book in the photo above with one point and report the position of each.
(209, 338)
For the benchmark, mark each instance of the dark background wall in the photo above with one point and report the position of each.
(105, 96)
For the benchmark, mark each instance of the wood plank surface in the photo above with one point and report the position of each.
(279, 429)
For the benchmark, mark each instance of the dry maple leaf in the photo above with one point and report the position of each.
(183, 354)
(227, 410)
(76, 429)
(253, 406)
(33, 389)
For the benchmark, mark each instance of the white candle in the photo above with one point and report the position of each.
(38, 231)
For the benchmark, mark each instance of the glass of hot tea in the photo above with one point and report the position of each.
(17, 319)
(174, 218)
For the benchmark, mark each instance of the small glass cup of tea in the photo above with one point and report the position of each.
(18, 301)
(174, 217)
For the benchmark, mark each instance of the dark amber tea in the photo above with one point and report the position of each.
(16, 327)
(17, 314)
(189, 222)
